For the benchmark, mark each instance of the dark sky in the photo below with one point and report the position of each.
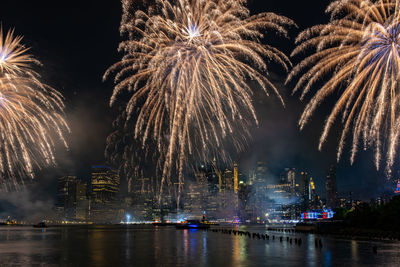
(77, 41)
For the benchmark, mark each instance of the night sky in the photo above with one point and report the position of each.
(77, 41)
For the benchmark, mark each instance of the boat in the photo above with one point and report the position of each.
(40, 225)
(192, 224)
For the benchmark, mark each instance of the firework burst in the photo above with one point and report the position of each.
(31, 113)
(187, 64)
(357, 55)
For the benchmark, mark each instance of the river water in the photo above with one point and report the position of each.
(166, 246)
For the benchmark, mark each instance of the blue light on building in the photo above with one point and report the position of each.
(324, 214)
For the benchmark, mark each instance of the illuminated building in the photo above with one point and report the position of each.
(227, 180)
(261, 173)
(214, 177)
(243, 196)
(196, 194)
(331, 189)
(103, 205)
(142, 202)
(312, 194)
(324, 214)
(281, 204)
(213, 192)
(72, 202)
(289, 177)
(304, 190)
(259, 200)
(81, 201)
(397, 191)
(105, 184)
(66, 195)
(235, 177)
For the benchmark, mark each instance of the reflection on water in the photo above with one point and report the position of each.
(328, 258)
(166, 246)
(354, 250)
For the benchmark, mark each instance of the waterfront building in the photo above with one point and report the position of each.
(397, 190)
(322, 214)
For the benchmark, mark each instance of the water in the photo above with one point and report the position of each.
(166, 246)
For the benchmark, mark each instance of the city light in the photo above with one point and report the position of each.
(318, 215)
(189, 151)
(397, 191)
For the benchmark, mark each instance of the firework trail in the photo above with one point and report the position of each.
(31, 114)
(357, 55)
(188, 72)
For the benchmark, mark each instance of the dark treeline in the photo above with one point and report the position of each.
(366, 216)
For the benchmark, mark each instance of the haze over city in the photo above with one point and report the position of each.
(242, 118)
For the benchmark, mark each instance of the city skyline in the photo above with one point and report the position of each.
(200, 132)
(67, 51)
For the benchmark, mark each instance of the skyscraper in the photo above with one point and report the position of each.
(235, 177)
(81, 201)
(261, 173)
(331, 188)
(314, 199)
(104, 192)
(66, 195)
(304, 190)
(196, 194)
(105, 183)
(289, 177)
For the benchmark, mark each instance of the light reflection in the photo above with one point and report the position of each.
(186, 243)
(128, 244)
(243, 249)
(354, 250)
(312, 255)
(328, 258)
(204, 252)
(97, 245)
(193, 242)
(236, 250)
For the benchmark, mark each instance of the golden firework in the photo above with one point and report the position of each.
(357, 56)
(188, 64)
(31, 114)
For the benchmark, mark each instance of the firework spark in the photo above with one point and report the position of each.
(31, 113)
(359, 48)
(188, 72)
